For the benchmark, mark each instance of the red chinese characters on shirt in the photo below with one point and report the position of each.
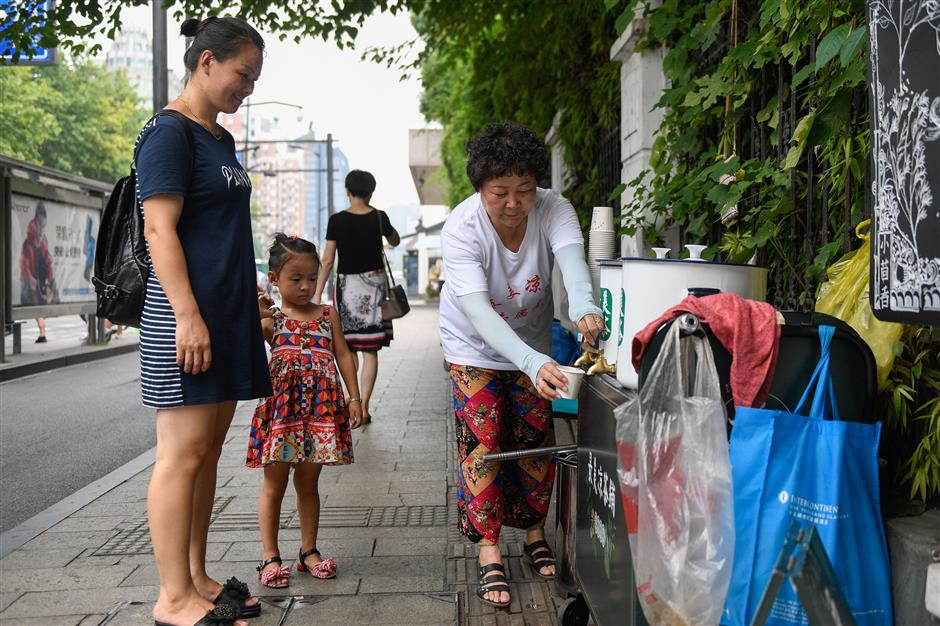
(534, 284)
(522, 313)
(512, 292)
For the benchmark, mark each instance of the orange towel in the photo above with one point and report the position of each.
(746, 328)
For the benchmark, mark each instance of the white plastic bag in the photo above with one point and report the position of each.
(675, 480)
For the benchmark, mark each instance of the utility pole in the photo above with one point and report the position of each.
(247, 108)
(160, 79)
(329, 175)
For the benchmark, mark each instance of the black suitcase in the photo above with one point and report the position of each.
(854, 376)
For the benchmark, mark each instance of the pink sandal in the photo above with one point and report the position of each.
(267, 577)
(323, 570)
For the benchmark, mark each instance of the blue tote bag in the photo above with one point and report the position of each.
(816, 469)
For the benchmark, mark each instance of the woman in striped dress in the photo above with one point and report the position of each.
(201, 345)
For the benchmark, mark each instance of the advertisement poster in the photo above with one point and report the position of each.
(52, 251)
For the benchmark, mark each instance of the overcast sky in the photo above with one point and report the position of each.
(364, 105)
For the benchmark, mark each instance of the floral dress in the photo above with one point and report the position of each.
(306, 419)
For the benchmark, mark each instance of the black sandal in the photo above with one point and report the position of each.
(235, 593)
(221, 615)
(538, 554)
(495, 583)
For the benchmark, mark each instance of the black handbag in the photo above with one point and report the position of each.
(395, 302)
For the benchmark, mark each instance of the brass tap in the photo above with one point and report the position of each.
(587, 358)
(601, 366)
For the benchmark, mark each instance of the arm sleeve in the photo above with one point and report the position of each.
(163, 161)
(577, 279)
(386, 225)
(332, 228)
(497, 333)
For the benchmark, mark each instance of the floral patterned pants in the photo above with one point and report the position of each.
(499, 411)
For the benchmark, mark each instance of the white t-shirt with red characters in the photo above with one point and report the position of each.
(517, 283)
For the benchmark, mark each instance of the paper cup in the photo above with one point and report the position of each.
(603, 218)
(574, 376)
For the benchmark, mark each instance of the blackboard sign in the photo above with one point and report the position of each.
(904, 187)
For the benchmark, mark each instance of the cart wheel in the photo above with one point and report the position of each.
(573, 612)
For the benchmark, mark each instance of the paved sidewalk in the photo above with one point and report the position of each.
(389, 520)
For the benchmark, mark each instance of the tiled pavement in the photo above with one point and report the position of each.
(389, 520)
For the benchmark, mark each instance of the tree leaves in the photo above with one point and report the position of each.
(830, 45)
(799, 136)
(81, 118)
(852, 44)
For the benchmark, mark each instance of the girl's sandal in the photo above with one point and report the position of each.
(494, 583)
(268, 576)
(324, 570)
(538, 554)
(235, 593)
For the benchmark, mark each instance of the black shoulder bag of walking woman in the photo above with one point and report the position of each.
(395, 303)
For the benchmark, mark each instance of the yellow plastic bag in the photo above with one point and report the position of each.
(845, 296)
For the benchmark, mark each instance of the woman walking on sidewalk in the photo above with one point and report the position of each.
(305, 424)
(356, 234)
(201, 347)
(499, 246)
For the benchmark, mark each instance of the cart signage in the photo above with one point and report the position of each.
(623, 306)
(602, 511)
(607, 306)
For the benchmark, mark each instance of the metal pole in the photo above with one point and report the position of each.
(5, 272)
(160, 78)
(329, 174)
(247, 107)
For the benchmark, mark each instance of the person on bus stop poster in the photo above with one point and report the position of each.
(36, 278)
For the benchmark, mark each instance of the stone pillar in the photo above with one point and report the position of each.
(641, 85)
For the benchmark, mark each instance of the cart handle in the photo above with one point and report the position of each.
(524, 454)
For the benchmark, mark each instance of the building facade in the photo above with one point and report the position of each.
(132, 53)
(316, 205)
(276, 169)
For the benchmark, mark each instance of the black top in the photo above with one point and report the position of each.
(214, 229)
(358, 240)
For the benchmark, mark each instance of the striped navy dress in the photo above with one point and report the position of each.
(215, 232)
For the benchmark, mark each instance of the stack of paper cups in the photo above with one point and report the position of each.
(601, 243)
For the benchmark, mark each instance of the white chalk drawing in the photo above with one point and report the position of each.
(905, 117)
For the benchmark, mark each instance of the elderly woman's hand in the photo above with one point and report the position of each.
(549, 380)
(591, 326)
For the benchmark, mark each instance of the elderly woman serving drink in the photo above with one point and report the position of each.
(499, 248)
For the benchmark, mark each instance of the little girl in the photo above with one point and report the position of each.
(304, 424)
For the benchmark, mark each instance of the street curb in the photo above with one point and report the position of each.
(14, 538)
(27, 369)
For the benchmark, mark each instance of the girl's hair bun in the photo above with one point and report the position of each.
(190, 27)
(286, 246)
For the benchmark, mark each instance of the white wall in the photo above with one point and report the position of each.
(641, 85)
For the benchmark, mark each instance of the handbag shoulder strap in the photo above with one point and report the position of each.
(389, 278)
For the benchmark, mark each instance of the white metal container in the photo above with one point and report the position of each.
(611, 303)
(652, 286)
